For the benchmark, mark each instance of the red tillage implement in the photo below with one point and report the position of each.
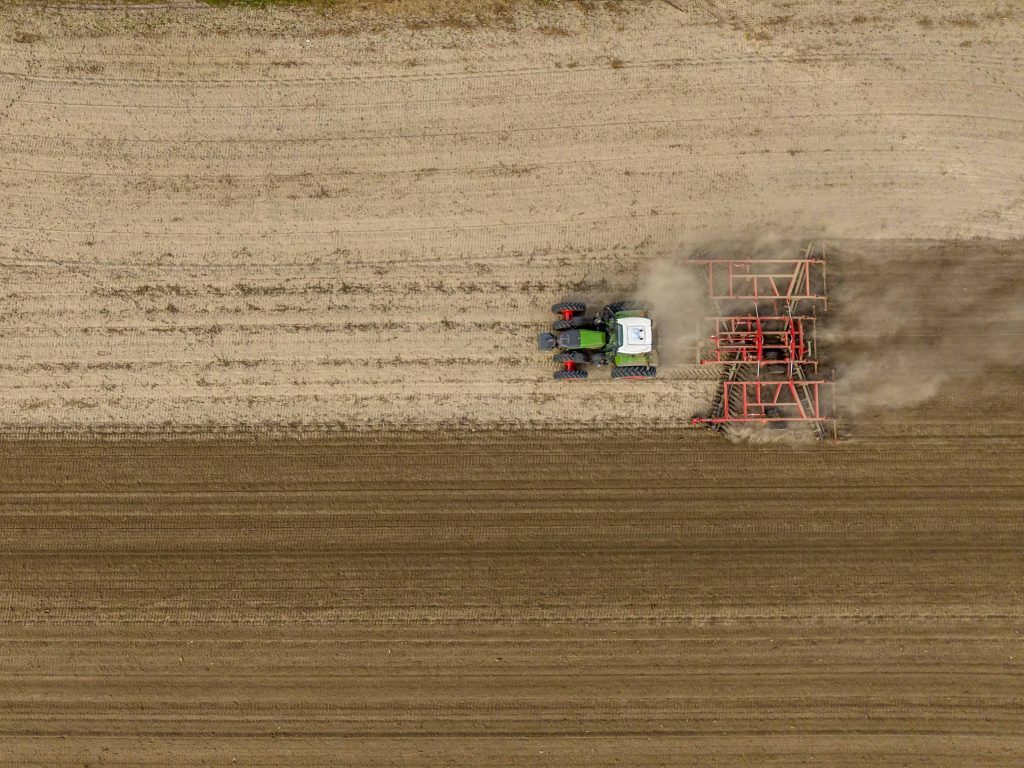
(770, 401)
(767, 280)
(768, 340)
(764, 337)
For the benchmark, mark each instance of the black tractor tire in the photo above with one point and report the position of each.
(562, 325)
(574, 375)
(625, 304)
(576, 307)
(635, 372)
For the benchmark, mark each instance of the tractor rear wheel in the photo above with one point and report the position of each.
(576, 307)
(573, 375)
(635, 372)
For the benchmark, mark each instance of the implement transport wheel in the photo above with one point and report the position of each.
(573, 375)
(569, 308)
(635, 372)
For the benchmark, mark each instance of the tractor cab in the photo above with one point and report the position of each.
(633, 335)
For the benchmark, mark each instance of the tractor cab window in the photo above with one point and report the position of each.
(618, 335)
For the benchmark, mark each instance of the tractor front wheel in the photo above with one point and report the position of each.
(635, 372)
(573, 375)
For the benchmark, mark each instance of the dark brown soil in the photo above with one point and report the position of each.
(511, 599)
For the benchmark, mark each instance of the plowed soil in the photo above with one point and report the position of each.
(512, 599)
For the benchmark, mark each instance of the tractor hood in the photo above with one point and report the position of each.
(635, 335)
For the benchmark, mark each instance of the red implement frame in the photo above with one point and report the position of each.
(766, 280)
(771, 401)
(766, 340)
(767, 321)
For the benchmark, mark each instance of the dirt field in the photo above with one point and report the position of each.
(224, 230)
(394, 603)
(235, 218)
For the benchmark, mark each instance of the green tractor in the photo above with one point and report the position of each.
(620, 335)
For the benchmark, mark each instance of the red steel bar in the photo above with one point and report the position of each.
(770, 401)
(759, 279)
(749, 338)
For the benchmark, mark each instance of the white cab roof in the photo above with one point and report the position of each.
(637, 335)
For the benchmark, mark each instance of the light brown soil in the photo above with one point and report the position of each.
(278, 218)
(508, 599)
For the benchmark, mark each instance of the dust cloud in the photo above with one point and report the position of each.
(676, 293)
(908, 320)
(765, 434)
